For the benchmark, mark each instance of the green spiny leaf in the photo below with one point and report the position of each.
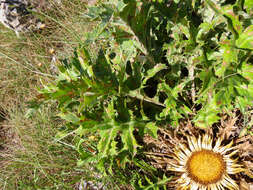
(245, 40)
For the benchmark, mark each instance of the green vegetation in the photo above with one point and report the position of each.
(155, 63)
(145, 66)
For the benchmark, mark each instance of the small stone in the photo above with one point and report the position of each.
(17, 15)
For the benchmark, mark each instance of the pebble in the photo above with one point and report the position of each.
(17, 15)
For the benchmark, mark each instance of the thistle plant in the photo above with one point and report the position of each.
(148, 65)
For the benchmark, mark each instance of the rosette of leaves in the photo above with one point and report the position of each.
(149, 64)
(204, 47)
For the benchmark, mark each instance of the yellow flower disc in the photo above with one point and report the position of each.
(205, 166)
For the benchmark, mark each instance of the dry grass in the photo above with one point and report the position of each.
(29, 156)
(23, 61)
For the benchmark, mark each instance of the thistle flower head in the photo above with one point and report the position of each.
(205, 166)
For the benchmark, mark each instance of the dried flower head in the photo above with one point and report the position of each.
(204, 166)
(214, 159)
